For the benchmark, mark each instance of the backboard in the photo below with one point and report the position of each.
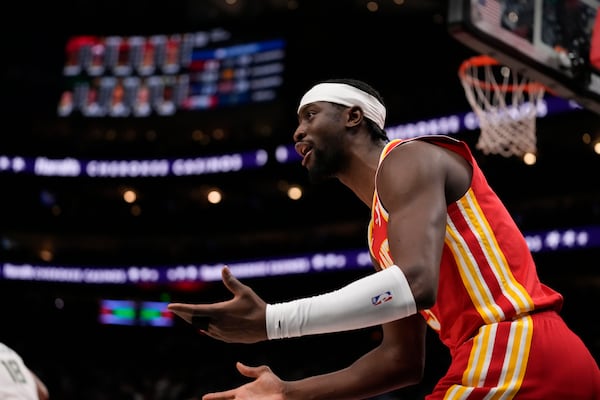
(551, 41)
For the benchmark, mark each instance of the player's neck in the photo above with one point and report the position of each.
(359, 176)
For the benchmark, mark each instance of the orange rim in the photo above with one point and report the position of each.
(483, 61)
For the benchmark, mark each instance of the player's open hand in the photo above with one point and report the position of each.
(239, 320)
(266, 386)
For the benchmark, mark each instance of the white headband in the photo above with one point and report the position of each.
(346, 95)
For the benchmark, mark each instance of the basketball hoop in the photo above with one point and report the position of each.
(506, 104)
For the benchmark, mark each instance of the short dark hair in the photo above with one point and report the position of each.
(377, 133)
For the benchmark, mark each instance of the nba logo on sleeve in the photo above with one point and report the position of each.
(381, 298)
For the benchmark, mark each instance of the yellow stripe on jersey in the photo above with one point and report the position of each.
(458, 392)
(513, 290)
(470, 273)
(515, 359)
(470, 268)
(384, 254)
(480, 357)
(514, 362)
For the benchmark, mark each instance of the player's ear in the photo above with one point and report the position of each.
(355, 116)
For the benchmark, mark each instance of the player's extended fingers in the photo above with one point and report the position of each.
(251, 372)
(231, 282)
(190, 312)
(184, 311)
(228, 395)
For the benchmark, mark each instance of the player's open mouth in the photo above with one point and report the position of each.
(304, 150)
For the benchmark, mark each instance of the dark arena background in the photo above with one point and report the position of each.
(148, 143)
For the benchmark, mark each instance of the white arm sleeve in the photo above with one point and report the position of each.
(378, 298)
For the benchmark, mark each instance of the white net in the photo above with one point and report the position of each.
(505, 103)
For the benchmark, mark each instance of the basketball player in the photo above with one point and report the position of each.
(17, 381)
(447, 254)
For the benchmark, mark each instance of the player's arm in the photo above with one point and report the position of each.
(398, 361)
(416, 182)
(375, 299)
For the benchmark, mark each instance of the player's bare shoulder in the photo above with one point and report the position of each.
(412, 159)
(439, 162)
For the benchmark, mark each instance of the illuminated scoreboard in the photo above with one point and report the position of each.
(139, 76)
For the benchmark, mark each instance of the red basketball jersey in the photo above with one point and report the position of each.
(487, 273)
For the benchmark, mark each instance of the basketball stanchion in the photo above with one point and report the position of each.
(505, 102)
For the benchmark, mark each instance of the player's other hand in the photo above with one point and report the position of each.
(238, 320)
(266, 386)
